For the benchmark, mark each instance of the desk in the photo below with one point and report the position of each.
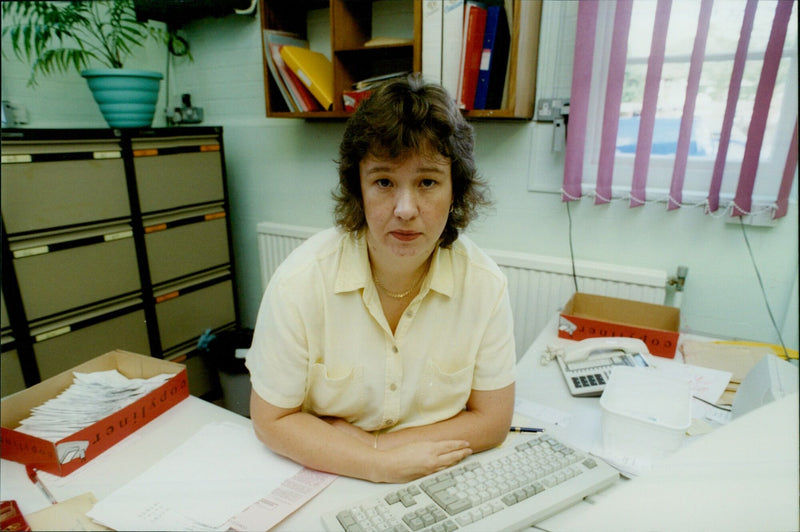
(732, 505)
(743, 476)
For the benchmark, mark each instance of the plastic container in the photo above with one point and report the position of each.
(644, 414)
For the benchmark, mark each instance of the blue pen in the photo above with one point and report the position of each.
(525, 429)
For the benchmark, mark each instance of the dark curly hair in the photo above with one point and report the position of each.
(404, 116)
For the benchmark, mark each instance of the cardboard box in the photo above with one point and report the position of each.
(70, 453)
(589, 316)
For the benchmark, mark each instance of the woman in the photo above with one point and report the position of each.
(384, 347)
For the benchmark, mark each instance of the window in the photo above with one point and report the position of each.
(659, 103)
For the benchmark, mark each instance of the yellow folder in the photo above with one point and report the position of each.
(314, 70)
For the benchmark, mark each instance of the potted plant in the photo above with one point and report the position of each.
(95, 38)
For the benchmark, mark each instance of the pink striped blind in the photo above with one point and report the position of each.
(687, 118)
(579, 100)
(788, 177)
(758, 124)
(614, 86)
(582, 86)
(647, 120)
(733, 98)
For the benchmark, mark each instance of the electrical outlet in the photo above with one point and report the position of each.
(184, 115)
(191, 115)
(550, 109)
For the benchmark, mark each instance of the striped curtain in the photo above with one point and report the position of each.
(606, 150)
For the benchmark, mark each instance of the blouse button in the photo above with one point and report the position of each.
(394, 349)
(393, 387)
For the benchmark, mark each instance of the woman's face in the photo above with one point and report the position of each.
(406, 203)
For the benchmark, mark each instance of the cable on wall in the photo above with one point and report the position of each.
(571, 249)
(763, 291)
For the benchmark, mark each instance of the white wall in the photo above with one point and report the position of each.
(282, 170)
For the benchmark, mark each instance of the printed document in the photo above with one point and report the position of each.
(215, 475)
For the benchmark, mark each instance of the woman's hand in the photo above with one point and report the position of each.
(338, 447)
(410, 461)
(414, 460)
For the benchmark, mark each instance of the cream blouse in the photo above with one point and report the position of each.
(322, 341)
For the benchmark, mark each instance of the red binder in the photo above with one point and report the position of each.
(474, 27)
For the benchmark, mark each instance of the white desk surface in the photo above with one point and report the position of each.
(743, 476)
(699, 491)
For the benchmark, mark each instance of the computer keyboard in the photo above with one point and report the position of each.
(503, 489)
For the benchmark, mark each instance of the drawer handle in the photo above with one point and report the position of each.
(167, 297)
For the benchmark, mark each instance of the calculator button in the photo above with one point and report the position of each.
(576, 382)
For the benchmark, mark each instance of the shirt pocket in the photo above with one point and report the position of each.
(337, 393)
(441, 393)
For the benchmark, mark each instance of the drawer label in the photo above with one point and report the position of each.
(107, 154)
(118, 236)
(52, 334)
(30, 252)
(16, 159)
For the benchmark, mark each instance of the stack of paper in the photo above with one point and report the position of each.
(736, 359)
(217, 473)
(92, 397)
(295, 94)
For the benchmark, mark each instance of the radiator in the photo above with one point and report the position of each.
(538, 285)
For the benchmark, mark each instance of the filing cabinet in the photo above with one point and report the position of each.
(184, 244)
(11, 378)
(113, 239)
(39, 175)
(165, 166)
(64, 344)
(85, 270)
(185, 313)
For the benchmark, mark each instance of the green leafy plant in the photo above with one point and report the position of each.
(59, 36)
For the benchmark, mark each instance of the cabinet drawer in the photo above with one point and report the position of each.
(176, 251)
(191, 311)
(175, 180)
(44, 195)
(59, 349)
(55, 281)
(11, 379)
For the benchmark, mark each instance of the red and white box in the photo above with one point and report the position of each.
(590, 316)
(70, 453)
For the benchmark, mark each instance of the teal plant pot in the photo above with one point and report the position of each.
(126, 97)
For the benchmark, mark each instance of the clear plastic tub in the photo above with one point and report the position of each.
(644, 414)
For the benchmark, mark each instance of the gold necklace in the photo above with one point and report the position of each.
(397, 295)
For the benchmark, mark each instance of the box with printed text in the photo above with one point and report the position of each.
(589, 316)
(70, 453)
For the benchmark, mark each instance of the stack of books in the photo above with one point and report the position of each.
(362, 89)
(304, 77)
